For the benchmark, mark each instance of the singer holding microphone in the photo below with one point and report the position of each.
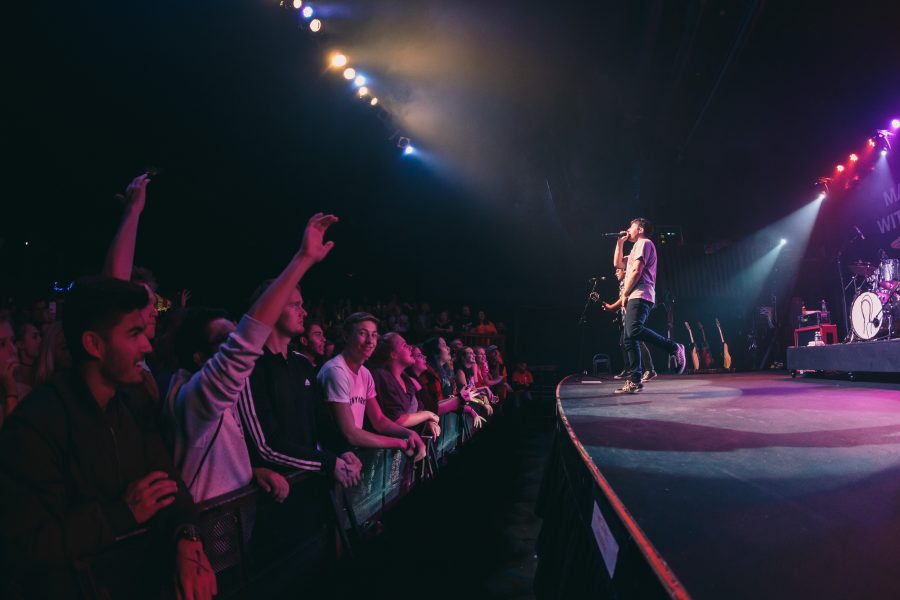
(637, 295)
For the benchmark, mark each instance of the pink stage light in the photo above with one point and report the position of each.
(853, 158)
(840, 168)
(895, 124)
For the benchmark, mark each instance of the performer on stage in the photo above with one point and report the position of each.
(646, 358)
(638, 296)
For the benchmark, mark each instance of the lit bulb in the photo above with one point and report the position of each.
(338, 60)
(374, 101)
(349, 73)
(315, 25)
(298, 3)
(359, 81)
(307, 12)
(363, 91)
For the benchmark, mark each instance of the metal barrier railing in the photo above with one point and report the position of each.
(227, 522)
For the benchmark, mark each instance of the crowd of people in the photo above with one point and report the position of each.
(123, 410)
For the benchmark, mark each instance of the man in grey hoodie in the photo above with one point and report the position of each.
(216, 359)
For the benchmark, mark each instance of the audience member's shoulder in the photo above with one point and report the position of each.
(334, 364)
(379, 374)
(44, 408)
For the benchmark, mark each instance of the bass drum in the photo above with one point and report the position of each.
(868, 316)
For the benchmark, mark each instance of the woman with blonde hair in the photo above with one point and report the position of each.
(54, 356)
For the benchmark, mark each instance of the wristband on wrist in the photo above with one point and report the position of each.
(189, 533)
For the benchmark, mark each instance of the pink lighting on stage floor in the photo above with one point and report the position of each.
(840, 168)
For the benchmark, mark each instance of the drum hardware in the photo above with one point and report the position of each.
(862, 268)
(871, 316)
(876, 299)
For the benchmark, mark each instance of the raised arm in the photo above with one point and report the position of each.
(214, 388)
(312, 250)
(120, 257)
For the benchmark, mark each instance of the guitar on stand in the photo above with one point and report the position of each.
(704, 351)
(726, 355)
(695, 358)
(669, 304)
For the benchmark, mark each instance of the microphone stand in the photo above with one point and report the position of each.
(593, 296)
(848, 334)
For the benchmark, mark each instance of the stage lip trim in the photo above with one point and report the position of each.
(654, 558)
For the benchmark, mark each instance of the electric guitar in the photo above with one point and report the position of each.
(695, 358)
(726, 356)
(704, 351)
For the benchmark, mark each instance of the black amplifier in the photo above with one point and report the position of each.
(814, 318)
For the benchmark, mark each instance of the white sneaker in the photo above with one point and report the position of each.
(680, 359)
(630, 388)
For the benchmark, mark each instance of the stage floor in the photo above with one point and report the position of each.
(755, 485)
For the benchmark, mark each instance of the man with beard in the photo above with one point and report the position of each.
(311, 343)
(82, 462)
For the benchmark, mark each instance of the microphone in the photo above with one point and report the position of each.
(615, 234)
(859, 233)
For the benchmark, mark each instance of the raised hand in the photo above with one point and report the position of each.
(136, 193)
(183, 297)
(314, 247)
(145, 497)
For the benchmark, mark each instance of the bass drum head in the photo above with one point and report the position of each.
(867, 316)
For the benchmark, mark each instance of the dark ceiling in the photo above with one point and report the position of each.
(540, 124)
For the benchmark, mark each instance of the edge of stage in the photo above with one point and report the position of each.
(858, 357)
(740, 485)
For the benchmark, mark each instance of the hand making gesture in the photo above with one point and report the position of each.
(314, 247)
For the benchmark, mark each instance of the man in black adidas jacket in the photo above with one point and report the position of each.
(82, 462)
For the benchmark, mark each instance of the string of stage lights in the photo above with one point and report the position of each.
(846, 175)
(340, 63)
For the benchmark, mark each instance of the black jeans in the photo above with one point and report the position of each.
(646, 358)
(636, 313)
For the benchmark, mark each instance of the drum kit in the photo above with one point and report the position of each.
(875, 310)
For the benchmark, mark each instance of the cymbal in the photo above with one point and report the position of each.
(861, 267)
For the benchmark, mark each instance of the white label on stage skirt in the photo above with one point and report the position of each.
(605, 540)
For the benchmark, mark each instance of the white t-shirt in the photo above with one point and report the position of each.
(646, 285)
(341, 384)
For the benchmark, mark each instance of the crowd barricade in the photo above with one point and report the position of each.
(226, 522)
